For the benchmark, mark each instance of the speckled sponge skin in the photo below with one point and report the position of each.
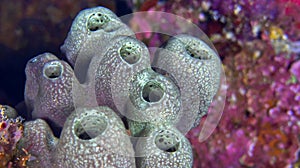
(195, 68)
(48, 88)
(158, 102)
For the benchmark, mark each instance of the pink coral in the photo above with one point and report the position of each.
(295, 70)
(260, 126)
(10, 133)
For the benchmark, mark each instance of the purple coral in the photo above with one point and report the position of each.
(258, 42)
(295, 70)
(11, 130)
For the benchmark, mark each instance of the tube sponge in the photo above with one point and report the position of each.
(94, 137)
(111, 72)
(163, 146)
(40, 143)
(153, 99)
(48, 88)
(91, 30)
(195, 68)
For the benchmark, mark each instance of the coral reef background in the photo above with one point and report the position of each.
(257, 42)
